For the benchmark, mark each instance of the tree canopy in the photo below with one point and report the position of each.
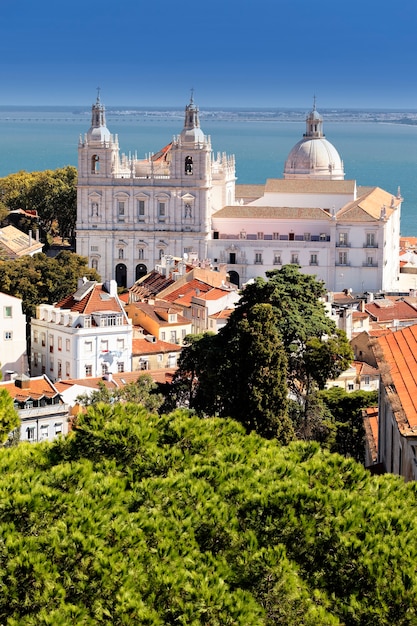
(277, 342)
(9, 418)
(142, 519)
(40, 279)
(52, 193)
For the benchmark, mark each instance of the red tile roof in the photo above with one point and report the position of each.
(400, 353)
(38, 387)
(386, 310)
(143, 346)
(95, 300)
(118, 380)
(183, 294)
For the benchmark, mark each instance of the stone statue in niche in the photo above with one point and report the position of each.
(187, 211)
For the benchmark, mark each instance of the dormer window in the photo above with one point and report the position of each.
(95, 164)
(188, 165)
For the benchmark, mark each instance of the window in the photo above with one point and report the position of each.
(343, 239)
(294, 258)
(343, 258)
(94, 248)
(104, 369)
(67, 369)
(8, 335)
(51, 365)
(30, 433)
(121, 253)
(277, 259)
(313, 259)
(94, 264)
(7, 311)
(161, 210)
(88, 370)
(258, 258)
(59, 369)
(141, 209)
(67, 345)
(87, 322)
(43, 339)
(275, 236)
(60, 343)
(350, 387)
(121, 208)
(35, 336)
(44, 431)
(104, 345)
(370, 240)
(161, 253)
(141, 254)
(159, 358)
(173, 336)
(35, 359)
(370, 260)
(95, 164)
(120, 344)
(188, 166)
(367, 380)
(307, 236)
(58, 428)
(163, 335)
(260, 235)
(88, 346)
(120, 367)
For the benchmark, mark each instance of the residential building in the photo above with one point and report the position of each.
(359, 376)
(396, 353)
(86, 334)
(42, 411)
(183, 201)
(149, 353)
(159, 319)
(13, 354)
(14, 243)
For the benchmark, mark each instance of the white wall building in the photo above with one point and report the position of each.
(13, 356)
(87, 334)
(184, 200)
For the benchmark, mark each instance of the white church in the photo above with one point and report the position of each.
(184, 200)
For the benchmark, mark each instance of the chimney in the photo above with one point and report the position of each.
(22, 381)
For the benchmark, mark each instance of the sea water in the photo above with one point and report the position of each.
(374, 153)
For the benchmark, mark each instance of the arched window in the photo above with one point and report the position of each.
(121, 275)
(189, 165)
(234, 277)
(95, 164)
(94, 264)
(141, 270)
(141, 254)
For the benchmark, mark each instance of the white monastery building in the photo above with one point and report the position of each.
(184, 199)
(87, 334)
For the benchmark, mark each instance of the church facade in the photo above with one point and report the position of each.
(184, 200)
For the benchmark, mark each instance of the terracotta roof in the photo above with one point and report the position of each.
(364, 369)
(15, 243)
(153, 311)
(183, 294)
(357, 315)
(95, 300)
(387, 309)
(249, 191)
(143, 346)
(400, 352)
(272, 212)
(150, 285)
(119, 379)
(162, 154)
(38, 387)
(222, 315)
(214, 294)
(309, 185)
(368, 206)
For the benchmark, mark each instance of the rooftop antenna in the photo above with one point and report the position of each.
(314, 102)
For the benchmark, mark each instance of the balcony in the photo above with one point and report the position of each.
(370, 245)
(341, 244)
(44, 411)
(374, 264)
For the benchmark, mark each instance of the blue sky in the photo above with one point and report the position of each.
(243, 53)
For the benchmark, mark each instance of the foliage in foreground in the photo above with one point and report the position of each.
(158, 520)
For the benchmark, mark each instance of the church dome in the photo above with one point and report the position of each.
(314, 156)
